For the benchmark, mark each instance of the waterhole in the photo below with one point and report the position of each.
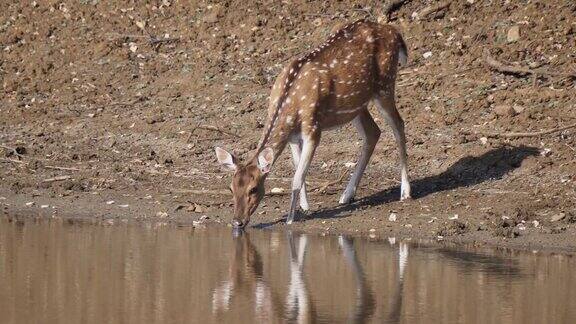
(56, 272)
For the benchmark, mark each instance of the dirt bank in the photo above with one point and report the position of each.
(109, 111)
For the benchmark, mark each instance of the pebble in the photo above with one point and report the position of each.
(276, 190)
(453, 217)
(110, 202)
(536, 223)
(513, 34)
(546, 152)
(504, 110)
(123, 206)
(557, 217)
(372, 230)
(162, 214)
(392, 217)
(427, 55)
(31, 203)
(44, 206)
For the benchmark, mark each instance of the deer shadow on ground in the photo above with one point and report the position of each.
(468, 171)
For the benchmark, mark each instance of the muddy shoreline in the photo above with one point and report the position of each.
(159, 210)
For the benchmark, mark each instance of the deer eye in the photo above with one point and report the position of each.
(253, 190)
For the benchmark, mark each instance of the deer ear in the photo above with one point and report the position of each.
(265, 159)
(227, 160)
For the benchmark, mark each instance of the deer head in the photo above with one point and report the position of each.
(247, 182)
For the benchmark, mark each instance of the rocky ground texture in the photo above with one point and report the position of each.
(110, 111)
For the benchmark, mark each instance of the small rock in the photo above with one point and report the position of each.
(124, 206)
(44, 206)
(453, 217)
(349, 164)
(204, 217)
(546, 152)
(518, 109)
(162, 214)
(392, 217)
(504, 110)
(427, 55)
(392, 240)
(513, 34)
(557, 217)
(372, 230)
(372, 236)
(133, 47)
(31, 203)
(484, 140)
(141, 24)
(110, 202)
(197, 208)
(535, 223)
(276, 190)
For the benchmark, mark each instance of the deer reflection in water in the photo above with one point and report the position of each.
(246, 278)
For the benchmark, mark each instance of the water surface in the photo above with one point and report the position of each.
(54, 272)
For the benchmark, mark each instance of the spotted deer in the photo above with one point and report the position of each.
(324, 89)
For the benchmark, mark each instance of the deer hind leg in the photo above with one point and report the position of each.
(296, 149)
(309, 144)
(387, 107)
(370, 134)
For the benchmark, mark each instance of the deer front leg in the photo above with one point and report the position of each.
(387, 107)
(296, 149)
(370, 133)
(309, 144)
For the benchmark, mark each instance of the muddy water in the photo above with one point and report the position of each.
(60, 273)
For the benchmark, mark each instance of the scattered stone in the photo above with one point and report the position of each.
(513, 34)
(141, 24)
(518, 109)
(392, 240)
(133, 47)
(204, 217)
(31, 203)
(504, 110)
(535, 223)
(372, 230)
(427, 55)
(124, 206)
(276, 190)
(392, 217)
(484, 140)
(453, 217)
(44, 206)
(557, 217)
(110, 202)
(546, 152)
(162, 214)
(350, 164)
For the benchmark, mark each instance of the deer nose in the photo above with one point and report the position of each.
(237, 223)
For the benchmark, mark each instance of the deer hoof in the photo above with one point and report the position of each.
(346, 198)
